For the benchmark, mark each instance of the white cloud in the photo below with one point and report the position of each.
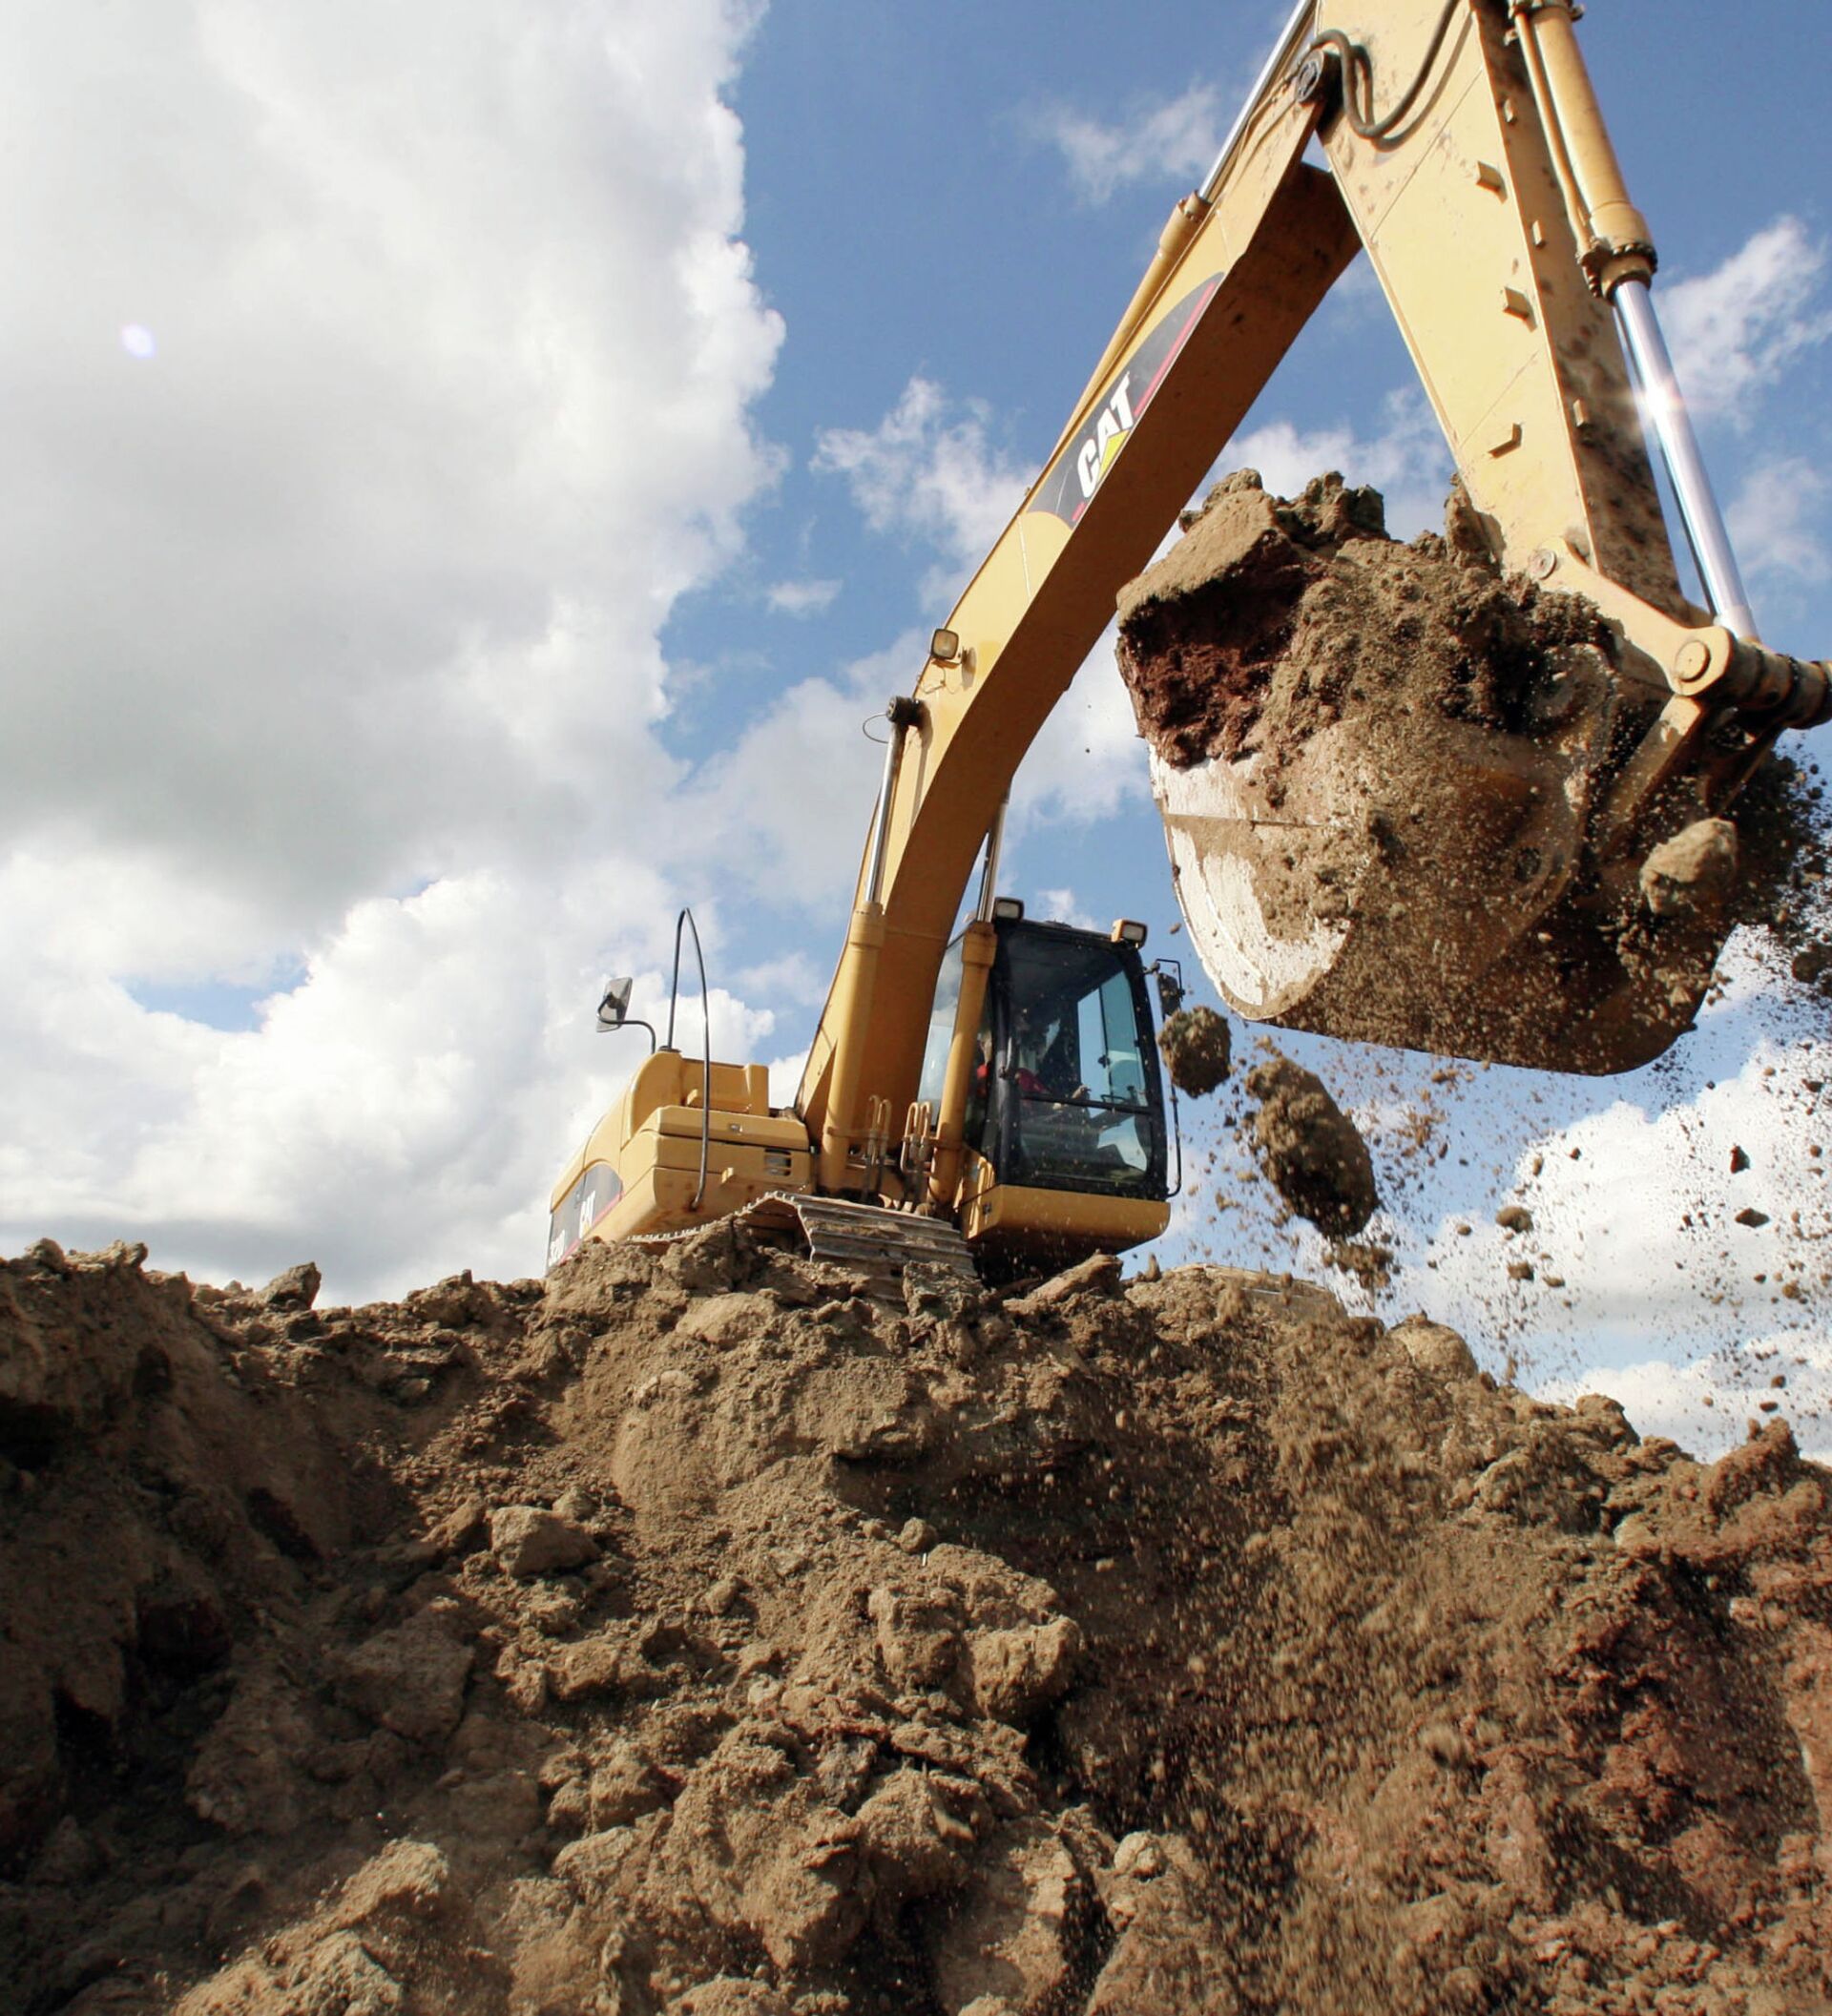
(1407, 460)
(793, 977)
(1061, 906)
(929, 468)
(1088, 761)
(1176, 139)
(1640, 1228)
(333, 637)
(406, 438)
(1707, 1404)
(785, 1077)
(801, 599)
(399, 1113)
(801, 843)
(1734, 330)
(1774, 521)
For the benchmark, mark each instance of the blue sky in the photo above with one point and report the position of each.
(563, 424)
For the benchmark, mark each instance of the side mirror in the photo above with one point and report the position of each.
(614, 1009)
(1170, 994)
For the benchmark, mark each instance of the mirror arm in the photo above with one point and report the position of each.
(629, 1022)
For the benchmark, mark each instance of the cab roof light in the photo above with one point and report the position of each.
(1008, 909)
(1127, 932)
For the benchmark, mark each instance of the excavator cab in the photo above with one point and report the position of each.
(1065, 1139)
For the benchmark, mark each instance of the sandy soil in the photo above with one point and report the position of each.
(1309, 1150)
(693, 1635)
(1198, 1048)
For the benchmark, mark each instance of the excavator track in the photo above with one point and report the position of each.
(876, 1243)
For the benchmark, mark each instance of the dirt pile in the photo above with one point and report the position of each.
(1379, 765)
(697, 1635)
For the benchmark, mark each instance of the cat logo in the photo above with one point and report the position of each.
(1069, 486)
(589, 1200)
(1109, 437)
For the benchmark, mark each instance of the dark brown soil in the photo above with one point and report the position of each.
(697, 1635)
(1269, 617)
(1387, 761)
(1198, 1050)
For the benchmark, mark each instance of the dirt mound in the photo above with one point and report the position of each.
(1379, 765)
(697, 1635)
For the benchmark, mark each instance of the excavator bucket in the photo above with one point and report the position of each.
(1380, 768)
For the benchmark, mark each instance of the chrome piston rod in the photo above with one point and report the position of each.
(1284, 50)
(1665, 406)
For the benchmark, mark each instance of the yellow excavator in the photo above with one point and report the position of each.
(994, 1090)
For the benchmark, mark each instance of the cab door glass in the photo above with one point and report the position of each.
(1111, 1068)
(941, 1027)
(1081, 1103)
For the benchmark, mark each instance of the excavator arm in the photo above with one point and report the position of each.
(1467, 155)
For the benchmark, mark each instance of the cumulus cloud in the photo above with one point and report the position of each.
(1775, 519)
(1088, 761)
(1174, 139)
(1686, 1226)
(928, 468)
(1707, 1405)
(420, 413)
(1734, 330)
(800, 847)
(1063, 907)
(384, 382)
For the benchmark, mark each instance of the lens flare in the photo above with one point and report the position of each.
(136, 339)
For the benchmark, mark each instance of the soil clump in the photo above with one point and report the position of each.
(1311, 1152)
(1255, 631)
(1198, 1049)
(694, 1636)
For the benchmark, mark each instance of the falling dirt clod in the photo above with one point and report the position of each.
(694, 1636)
(1198, 1050)
(1310, 1150)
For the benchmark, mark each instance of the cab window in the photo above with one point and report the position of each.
(1076, 1084)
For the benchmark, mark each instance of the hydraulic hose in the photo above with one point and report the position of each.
(1357, 76)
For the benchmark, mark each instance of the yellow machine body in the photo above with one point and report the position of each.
(666, 1157)
(1011, 1221)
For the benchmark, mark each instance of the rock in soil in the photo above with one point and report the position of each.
(1310, 1150)
(1253, 1657)
(1198, 1050)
